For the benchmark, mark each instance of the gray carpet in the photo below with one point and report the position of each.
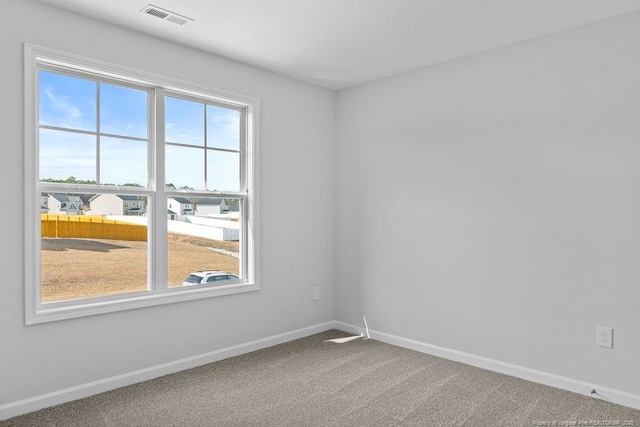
(312, 383)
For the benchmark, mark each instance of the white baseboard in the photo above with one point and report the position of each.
(570, 384)
(35, 403)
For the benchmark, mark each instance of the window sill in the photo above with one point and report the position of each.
(55, 311)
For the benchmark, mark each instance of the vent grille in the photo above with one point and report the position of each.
(177, 20)
(166, 15)
(155, 12)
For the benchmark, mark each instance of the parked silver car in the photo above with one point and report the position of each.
(208, 276)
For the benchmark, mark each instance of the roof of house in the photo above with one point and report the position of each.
(63, 197)
(182, 200)
(120, 196)
(208, 201)
(86, 197)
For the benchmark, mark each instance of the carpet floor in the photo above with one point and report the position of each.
(310, 382)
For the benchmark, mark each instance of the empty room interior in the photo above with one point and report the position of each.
(410, 212)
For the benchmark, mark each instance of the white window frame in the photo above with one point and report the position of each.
(158, 293)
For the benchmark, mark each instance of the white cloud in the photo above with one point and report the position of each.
(62, 106)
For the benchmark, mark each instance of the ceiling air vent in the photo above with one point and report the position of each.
(166, 15)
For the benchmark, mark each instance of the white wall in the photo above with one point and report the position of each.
(211, 221)
(297, 144)
(209, 228)
(214, 232)
(517, 174)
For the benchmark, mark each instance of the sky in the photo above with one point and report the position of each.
(71, 103)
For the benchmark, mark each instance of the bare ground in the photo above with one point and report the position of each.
(81, 268)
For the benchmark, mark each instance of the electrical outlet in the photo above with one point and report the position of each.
(605, 336)
(316, 293)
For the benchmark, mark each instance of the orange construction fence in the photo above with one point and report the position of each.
(90, 227)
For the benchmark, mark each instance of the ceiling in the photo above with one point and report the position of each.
(342, 43)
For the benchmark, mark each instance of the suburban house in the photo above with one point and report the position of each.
(85, 199)
(505, 135)
(117, 204)
(179, 206)
(64, 204)
(44, 203)
(205, 206)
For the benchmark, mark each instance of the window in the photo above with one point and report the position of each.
(115, 148)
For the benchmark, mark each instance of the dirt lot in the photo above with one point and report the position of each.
(81, 268)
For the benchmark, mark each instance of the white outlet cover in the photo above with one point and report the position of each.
(604, 336)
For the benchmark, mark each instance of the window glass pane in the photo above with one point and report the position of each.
(123, 162)
(99, 133)
(223, 128)
(67, 102)
(123, 111)
(223, 171)
(67, 156)
(184, 167)
(204, 241)
(92, 246)
(184, 121)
